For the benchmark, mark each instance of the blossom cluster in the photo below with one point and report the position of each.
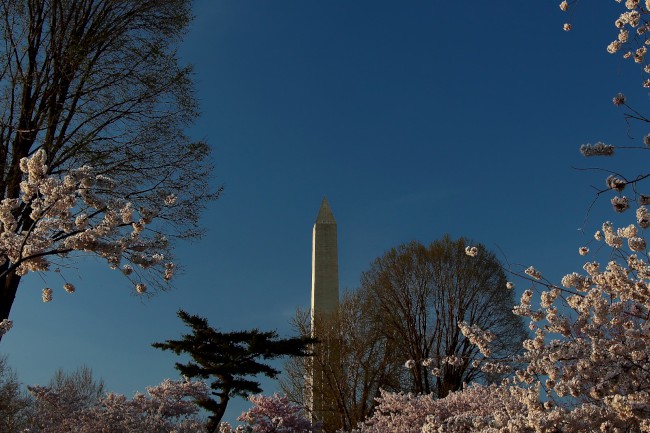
(598, 149)
(271, 414)
(478, 337)
(632, 35)
(533, 273)
(473, 409)
(56, 216)
(168, 407)
(5, 326)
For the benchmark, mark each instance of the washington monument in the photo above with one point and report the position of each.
(324, 264)
(324, 305)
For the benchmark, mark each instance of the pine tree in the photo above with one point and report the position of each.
(231, 360)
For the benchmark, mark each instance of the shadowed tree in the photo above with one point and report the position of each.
(409, 307)
(79, 386)
(419, 296)
(75, 392)
(98, 82)
(15, 404)
(365, 363)
(231, 360)
(167, 407)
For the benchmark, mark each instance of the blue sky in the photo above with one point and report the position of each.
(415, 119)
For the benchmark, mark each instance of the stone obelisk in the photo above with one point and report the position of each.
(324, 263)
(324, 307)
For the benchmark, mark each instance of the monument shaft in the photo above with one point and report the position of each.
(324, 309)
(325, 264)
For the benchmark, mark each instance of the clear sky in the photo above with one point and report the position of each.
(414, 118)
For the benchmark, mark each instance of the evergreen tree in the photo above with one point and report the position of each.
(231, 360)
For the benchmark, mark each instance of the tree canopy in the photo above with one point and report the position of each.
(98, 83)
(353, 359)
(413, 305)
(422, 295)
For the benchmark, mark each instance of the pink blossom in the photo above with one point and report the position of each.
(74, 213)
(167, 407)
(5, 326)
(272, 414)
(619, 99)
(47, 294)
(598, 149)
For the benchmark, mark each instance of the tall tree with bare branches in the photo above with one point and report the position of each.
(422, 298)
(355, 362)
(410, 311)
(98, 83)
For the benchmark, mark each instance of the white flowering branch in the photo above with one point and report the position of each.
(54, 217)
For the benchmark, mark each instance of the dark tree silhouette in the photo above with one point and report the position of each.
(420, 294)
(231, 360)
(14, 401)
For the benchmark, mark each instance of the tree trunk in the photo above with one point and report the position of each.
(214, 420)
(9, 287)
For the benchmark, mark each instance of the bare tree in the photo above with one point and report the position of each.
(408, 308)
(355, 362)
(98, 82)
(73, 393)
(420, 296)
(78, 387)
(15, 404)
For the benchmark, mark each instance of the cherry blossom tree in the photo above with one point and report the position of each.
(586, 366)
(96, 83)
(14, 401)
(76, 214)
(590, 352)
(632, 26)
(168, 407)
(475, 408)
(272, 414)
